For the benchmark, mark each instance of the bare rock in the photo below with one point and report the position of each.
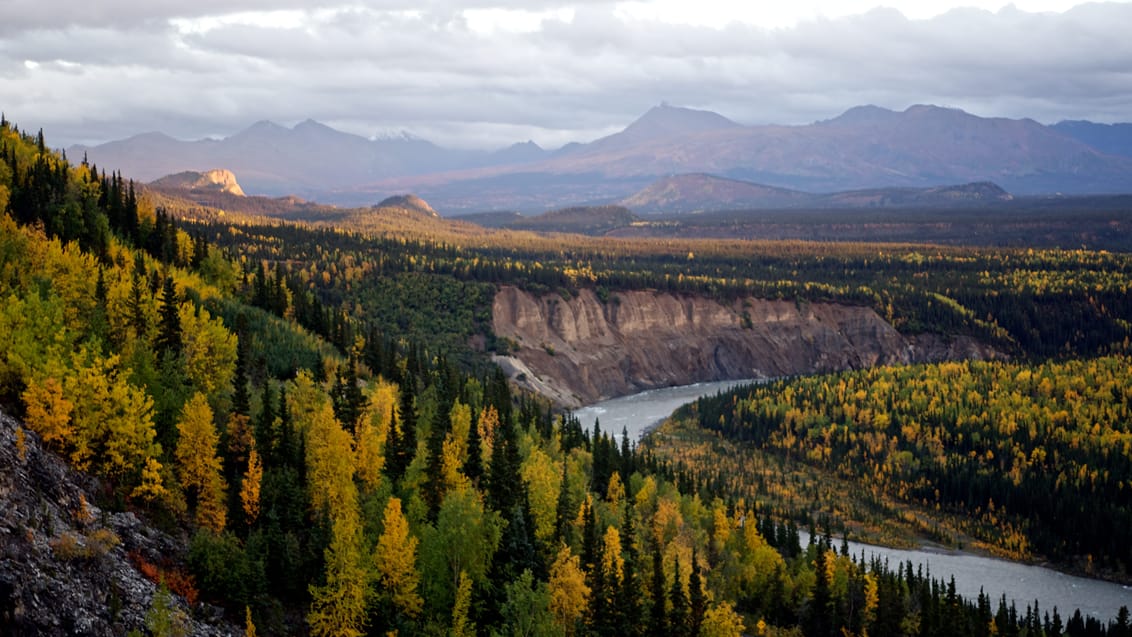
(65, 565)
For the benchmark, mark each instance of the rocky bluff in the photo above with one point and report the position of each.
(584, 349)
(68, 567)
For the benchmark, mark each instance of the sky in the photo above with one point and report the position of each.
(488, 73)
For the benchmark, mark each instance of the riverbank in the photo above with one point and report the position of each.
(779, 484)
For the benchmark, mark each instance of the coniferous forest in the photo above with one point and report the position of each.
(312, 406)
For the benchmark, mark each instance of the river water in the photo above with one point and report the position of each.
(639, 412)
(1021, 583)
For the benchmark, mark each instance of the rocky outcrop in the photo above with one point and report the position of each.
(408, 202)
(216, 180)
(68, 567)
(581, 350)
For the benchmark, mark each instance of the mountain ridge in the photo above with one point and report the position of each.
(863, 147)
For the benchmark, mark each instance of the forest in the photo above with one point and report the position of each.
(1031, 458)
(310, 407)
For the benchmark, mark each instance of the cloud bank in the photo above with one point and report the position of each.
(491, 72)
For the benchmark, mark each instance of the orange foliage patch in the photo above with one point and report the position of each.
(176, 579)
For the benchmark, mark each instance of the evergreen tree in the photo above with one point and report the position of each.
(589, 537)
(433, 489)
(697, 600)
(240, 399)
(265, 438)
(169, 342)
(626, 467)
(565, 507)
(473, 463)
(407, 435)
(658, 616)
(818, 622)
(678, 615)
(393, 466)
(504, 488)
(600, 606)
(629, 614)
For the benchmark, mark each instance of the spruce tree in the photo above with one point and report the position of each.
(240, 400)
(697, 601)
(473, 463)
(265, 425)
(564, 510)
(169, 343)
(503, 483)
(658, 616)
(393, 467)
(407, 441)
(678, 616)
(629, 615)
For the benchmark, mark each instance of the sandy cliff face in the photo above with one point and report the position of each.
(581, 350)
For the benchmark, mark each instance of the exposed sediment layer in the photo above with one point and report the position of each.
(582, 350)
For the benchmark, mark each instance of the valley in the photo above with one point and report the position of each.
(359, 420)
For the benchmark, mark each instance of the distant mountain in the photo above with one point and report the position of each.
(975, 194)
(521, 153)
(662, 123)
(500, 219)
(1114, 139)
(310, 159)
(866, 147)
(700, 192)
(592, 220)
(873, 147)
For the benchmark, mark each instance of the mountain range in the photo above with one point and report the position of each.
(867, 147)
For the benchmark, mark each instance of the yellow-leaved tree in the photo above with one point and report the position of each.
(569, 594)
(721, 620)
(250, 488)
(209, 351)
(454, 450)
(543, 477)
(372, 434)
(612, 564)
(113, 427)
(330, 463)
(198, 466)
(395, 558)
(49, 413)
(338, 607)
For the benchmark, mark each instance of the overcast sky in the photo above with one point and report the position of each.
(486, 73)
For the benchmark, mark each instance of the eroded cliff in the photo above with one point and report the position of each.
(583, 350)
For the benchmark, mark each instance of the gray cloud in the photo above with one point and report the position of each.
(366, 67)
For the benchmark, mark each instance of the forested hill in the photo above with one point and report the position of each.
(1036, 459)
(333, 480)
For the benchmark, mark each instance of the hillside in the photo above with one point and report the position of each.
(1113, 139)
(699, 193)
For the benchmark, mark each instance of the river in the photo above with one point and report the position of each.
(640, 412)
(1021, 583)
